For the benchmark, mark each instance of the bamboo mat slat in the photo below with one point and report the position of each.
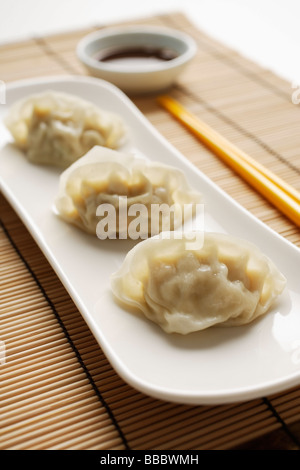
(58, 390)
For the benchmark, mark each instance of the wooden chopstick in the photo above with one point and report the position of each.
(272, 187)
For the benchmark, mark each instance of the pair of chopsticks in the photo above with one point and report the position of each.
(272, 187)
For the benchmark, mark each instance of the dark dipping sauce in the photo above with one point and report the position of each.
(136, 55)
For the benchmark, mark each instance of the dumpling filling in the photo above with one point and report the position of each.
(57, 128)
(226, 282)
(107, 177)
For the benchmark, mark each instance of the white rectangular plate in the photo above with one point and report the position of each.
(213, 366)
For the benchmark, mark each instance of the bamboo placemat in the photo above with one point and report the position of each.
(58, 390)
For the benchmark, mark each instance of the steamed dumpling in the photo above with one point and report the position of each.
(105, 176)
(57, 128)
(223, 281)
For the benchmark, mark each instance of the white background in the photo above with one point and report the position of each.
(266, 31)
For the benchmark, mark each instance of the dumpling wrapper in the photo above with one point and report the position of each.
(227, 281)
(103, 176)
(56, 128)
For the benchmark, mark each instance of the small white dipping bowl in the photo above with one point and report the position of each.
(143, 77)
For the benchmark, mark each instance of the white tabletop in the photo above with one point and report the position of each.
(266, 31)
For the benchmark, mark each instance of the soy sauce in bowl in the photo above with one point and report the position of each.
(142, 55)
(137, 59)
